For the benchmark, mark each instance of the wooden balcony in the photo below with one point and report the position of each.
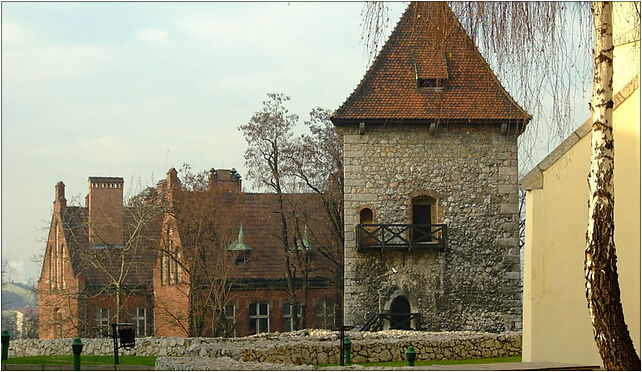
(401, 236)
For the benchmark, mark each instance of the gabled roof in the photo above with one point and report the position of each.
(429, 43)
(139, 257)
(260, 241)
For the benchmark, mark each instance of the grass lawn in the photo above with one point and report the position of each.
(512, 359)
(128, 360)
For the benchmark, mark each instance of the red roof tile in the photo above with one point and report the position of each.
(429, 43)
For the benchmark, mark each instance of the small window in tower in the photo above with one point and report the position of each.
(431, 83)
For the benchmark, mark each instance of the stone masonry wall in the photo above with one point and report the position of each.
(305, 347)
(472, 173)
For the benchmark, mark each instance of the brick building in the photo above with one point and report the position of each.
(244, 259)
(97, 260)
(182, 260)
(431, 198)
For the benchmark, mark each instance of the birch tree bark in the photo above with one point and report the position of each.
(600, 261)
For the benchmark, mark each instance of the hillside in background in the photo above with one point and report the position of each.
(17, 295)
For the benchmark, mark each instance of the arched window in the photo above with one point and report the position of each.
(424, 214)
(366, 216)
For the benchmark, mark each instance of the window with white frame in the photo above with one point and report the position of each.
(288, 320)
(140, 320)
(324, 315)
(102, 322)
(259, 317)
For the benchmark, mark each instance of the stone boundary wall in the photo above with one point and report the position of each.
(305, 347)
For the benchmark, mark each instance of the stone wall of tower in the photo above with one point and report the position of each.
(472, 173)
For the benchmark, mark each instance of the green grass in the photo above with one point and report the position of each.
(512, 359)
(128, 360)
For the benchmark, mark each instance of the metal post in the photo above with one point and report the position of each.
(5, 344)
(114, 331)
(342, 333)
(348, 351)
(76, 347)
(411, 356)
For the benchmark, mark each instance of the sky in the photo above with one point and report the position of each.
(132, 89)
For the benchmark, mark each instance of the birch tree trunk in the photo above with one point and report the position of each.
(600, 269)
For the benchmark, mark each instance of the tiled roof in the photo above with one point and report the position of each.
(139, 254)
(258, 216)
(429, 43)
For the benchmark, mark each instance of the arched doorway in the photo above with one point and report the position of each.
(400, 313)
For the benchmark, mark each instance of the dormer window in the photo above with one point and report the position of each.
(431, 83)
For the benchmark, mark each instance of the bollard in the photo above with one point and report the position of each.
(411, 356)
(5, 344)
(76, 347)
(347, 347)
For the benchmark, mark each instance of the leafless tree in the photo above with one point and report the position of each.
(201, 223)
(269, 136)
(316, 160)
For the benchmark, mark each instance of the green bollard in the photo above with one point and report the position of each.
(5, 344)
(347, 347)
(411, 356)
(76, 347)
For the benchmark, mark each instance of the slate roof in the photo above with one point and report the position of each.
(429, 43)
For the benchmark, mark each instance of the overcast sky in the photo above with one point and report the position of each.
(132, 89)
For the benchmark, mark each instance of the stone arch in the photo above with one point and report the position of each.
(437, 212)
(363, 208)
(411, 301)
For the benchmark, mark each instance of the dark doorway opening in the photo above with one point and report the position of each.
(400, 313)
(422, 215)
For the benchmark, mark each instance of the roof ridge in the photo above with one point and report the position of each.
(375, 62)
(385, 91)
(485, 64)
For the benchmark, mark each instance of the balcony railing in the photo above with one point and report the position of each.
(382, 236)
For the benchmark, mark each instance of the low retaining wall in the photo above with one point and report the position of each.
(159, 346)
(305, 347)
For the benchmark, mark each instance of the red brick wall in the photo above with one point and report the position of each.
(275, 299)
(129, 303)
(57, 293)
(106, 210)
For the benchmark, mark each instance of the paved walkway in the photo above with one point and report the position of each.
(529, 366)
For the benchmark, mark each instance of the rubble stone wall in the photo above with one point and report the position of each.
(471, 172)
(305, 347)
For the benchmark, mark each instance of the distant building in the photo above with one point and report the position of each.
(431, 198)
(207, 262)
(557, 324)
(246, 260)
(89, 258)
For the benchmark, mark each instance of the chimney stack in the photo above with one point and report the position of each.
(60, 203)
(225, 180)
(106, 210)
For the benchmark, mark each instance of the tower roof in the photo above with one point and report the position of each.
(429, 69)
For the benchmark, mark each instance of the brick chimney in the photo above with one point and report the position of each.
(106, 210)
(225, 180)
(60, 203)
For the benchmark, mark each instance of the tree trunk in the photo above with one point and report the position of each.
(600, 269)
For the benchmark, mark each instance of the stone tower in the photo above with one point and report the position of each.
(431, 198)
